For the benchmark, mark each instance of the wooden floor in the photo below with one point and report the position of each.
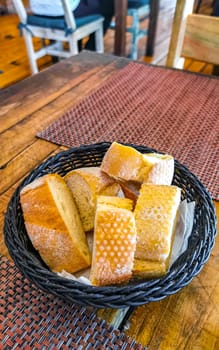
(14, 63)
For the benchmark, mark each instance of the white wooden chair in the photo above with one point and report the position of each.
(58, 30)
(138, 11)
(193, 36)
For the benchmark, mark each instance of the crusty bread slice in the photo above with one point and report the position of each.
(156, 213)
(114, 241)
(115, 202)
(124, 163)
(162, 168)
(53, 224)
(85, 184)
(149, 269)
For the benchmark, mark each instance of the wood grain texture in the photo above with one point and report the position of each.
(193, 36)
(14, 65)
(186, 320)
(34, 103)
(162, 31)
(46, 88)
(201, 40)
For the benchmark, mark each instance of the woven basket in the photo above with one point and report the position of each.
(137, 292)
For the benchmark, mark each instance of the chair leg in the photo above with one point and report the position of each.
(73, 45)
(99, 40)
(59, 47)
(30, 52)
(134, 39)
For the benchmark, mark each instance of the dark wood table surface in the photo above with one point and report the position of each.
(188, 319)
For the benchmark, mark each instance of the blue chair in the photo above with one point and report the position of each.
(57, 30)
(139, 10)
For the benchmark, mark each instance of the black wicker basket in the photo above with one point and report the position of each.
(137, 292)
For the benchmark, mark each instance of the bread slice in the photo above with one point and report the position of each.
(149, 269)
(162, 168)
(53, 224)
(124, 163)
(114, 241)
(156, 214)
(85, 184)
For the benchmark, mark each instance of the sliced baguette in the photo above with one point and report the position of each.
(85, 184)
(149, 269)
(114, 241)
(53, 224)
(156, 214)
(124, 163)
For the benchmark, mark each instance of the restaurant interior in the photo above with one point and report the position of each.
(109, 177)
(14, 64)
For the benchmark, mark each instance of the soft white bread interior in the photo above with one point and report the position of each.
(162, 168)
(124, 163)
(53, 224)
(156, 214)
(85, 184)
(114, 241)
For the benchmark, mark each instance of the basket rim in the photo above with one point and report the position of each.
(131, 294)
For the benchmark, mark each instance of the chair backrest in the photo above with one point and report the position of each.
(56, 26)
(67, 10)
(69, 17)
(21, 10)
(194, 36)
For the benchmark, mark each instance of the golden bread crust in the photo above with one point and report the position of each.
(114, 242)
(57, 249)
(53, 224)
(124, 163)
(149, 269)
(155, 215)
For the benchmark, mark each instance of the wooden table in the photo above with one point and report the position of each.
(186, 320)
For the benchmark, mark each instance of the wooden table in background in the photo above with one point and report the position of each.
(187, 320)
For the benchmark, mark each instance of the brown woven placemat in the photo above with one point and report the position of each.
(31, 319)
(169, 110)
